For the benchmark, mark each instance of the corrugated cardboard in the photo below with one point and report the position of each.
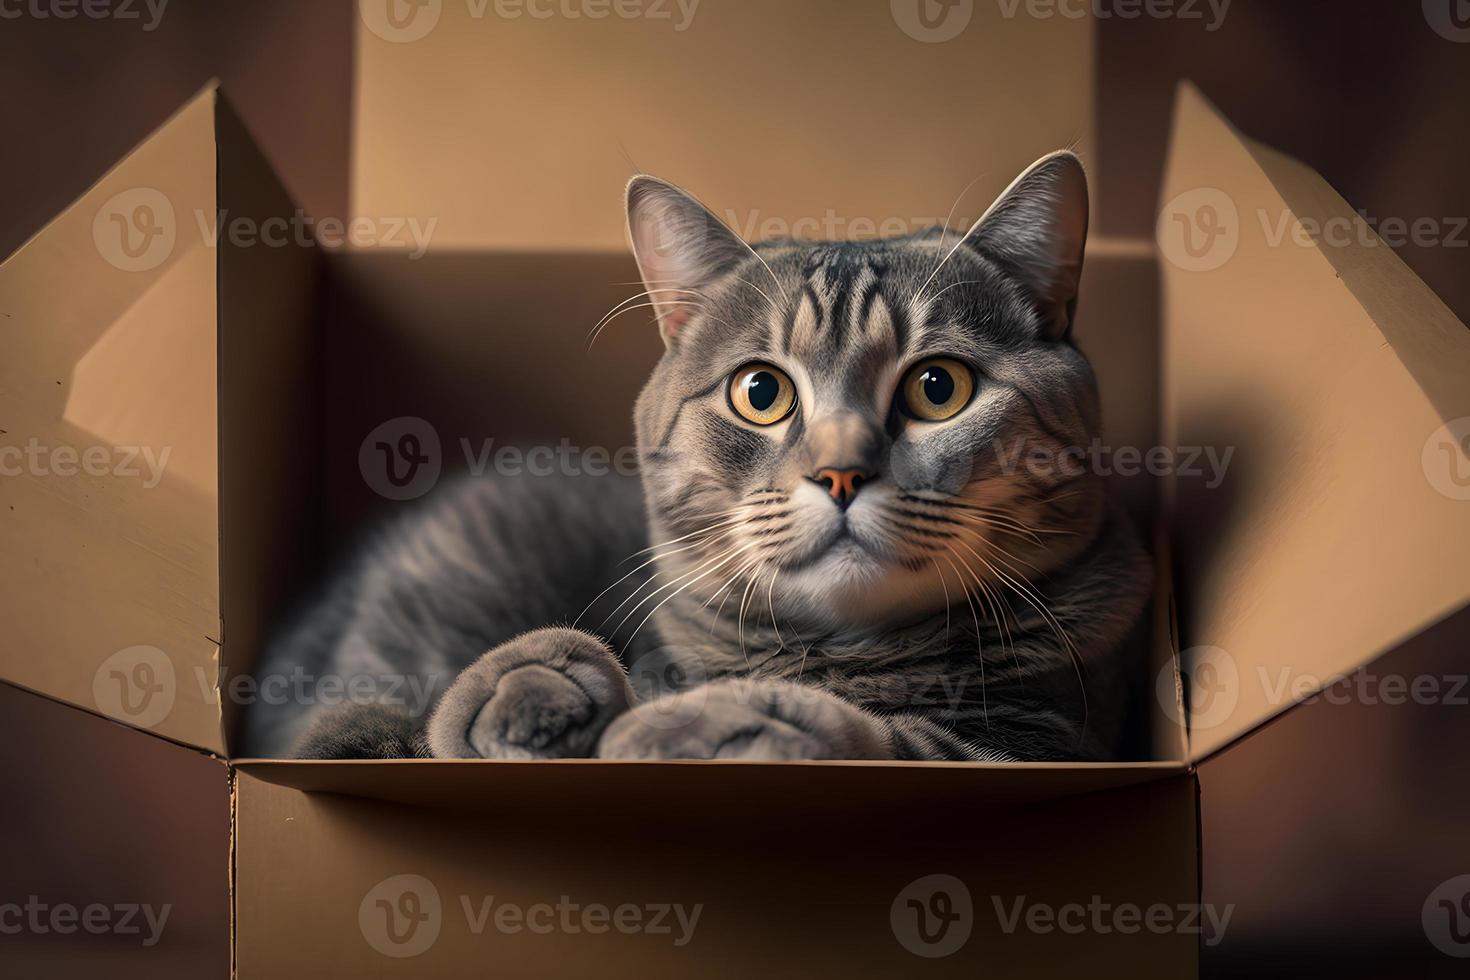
(109, 320)
(1330, 369)
(798, 867)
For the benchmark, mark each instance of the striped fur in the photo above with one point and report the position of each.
(967, 605)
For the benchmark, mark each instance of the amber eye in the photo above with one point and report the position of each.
(936, 389)
(762, 394)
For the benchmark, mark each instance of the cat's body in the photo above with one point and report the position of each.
(856, 553)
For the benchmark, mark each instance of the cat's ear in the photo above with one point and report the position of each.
(681, 248)
(1037, 231)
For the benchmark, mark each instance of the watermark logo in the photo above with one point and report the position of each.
(1211, 688)
(1449, 18)
(401, 916)
(932, 21)
(933, 916)
(137, 685)
(401, 459)
(1446, 917)
(1446, 459)
(135, 230)
(1199, 230)
(400, 21)
(671, 688)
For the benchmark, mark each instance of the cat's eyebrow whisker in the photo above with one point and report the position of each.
(597, 331)
(646, 294)
(957, 245)
(965, 282)
(774, 308)
(750, 248)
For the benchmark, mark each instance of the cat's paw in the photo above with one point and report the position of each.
(746, 719)
(362, 731)
(547, 694)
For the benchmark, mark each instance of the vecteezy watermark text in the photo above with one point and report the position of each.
(1201, 229)
(1100, 917)
(145, 463)
(40, 918)
(137, 229)
(403, 916)
(1210, 12)
(149, 13)
(412, 692)
(1062, 462)
(406, 21)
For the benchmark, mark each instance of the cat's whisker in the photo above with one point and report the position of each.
(945, 586)
(964, 282)
(664, 601)
(775, 310)
(944, 234)
(1022, 587)
(649, 584)
(986, 597)
(784, 295)
(1038, 602)
(597, 331)
(625, 305)
(771, 605)
(754, 578)
(998, 608)
(656, 558)
(728, 590)
(984, 705)
(732, 520)
(687, 579)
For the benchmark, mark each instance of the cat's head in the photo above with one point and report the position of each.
(868, 431)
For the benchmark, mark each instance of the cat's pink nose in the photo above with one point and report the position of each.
(843, 485)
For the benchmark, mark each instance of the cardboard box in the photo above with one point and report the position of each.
(1329, 369)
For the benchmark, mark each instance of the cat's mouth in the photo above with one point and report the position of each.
(846, 541)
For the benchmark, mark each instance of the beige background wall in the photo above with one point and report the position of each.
(521, 132)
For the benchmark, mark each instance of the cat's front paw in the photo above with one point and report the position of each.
(746, 719)
(547, 694)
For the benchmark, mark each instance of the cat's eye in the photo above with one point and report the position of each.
(762, 394)
(936, 389)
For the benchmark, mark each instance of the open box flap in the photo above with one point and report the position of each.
(1295, 339)
(155, 351)
(109, 591)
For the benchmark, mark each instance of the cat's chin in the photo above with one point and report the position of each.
(849, 584)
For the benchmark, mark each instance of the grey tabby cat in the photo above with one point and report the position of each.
(852, 558)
